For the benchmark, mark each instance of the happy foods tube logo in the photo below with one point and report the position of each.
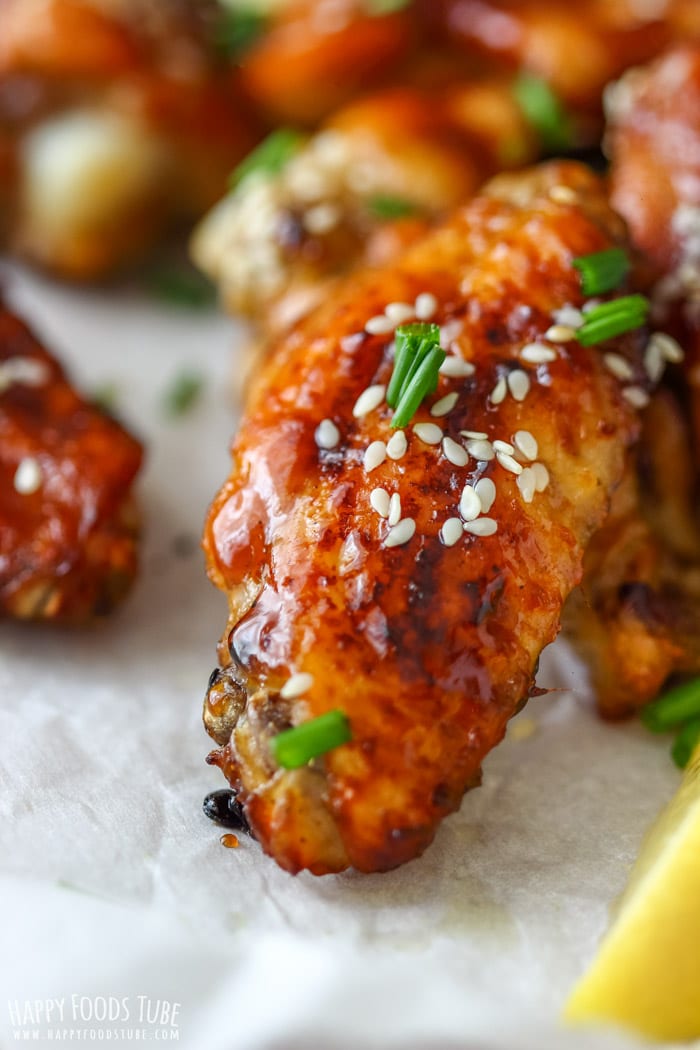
(94, 1019)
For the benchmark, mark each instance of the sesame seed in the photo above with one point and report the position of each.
(430, 433)
(322, 218)
(499, 392)
(327, 434)
(394, 509)
(369, 399)
(426, 305)
(28, 476)
(590, 304)
(486, 491)
(560, 333)
(379, 325)
(455, 368)
(477, 435)
(481, 527)
(297, 685)
(526, 444)
(400, 533)
(445, 404)
(453, 451)
(379, 500)
(374, 456)
(669, 347)
(399, 312)
(450, 331)
(568, 316)
(503, 446)
(508, 463)
(619, 366)
(519, 384)
(470, 506)
(541, 476)
(563, 195)
(481, 450)
(397, 445)
(451, 532)
(527, 484)
(538, 353)
(28, 371)
(654, 361)
(636, 396)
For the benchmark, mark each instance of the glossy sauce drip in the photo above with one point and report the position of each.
(230, 841)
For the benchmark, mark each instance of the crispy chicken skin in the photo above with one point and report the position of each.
(68, 536)
(428, 648)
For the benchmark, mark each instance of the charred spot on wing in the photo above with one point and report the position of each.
(223, 808)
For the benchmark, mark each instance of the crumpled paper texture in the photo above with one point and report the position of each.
(113, 882)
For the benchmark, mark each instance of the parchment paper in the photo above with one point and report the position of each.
(114, 883)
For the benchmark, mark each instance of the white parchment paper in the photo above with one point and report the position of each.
(113, 883)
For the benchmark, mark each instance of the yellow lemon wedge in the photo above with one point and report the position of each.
(646, 976)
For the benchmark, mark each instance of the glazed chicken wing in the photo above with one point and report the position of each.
(68, 521)
(410, 578)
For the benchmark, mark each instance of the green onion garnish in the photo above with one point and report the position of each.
(270, 157)
(235, 32)
(105, 397)
(182, 393)
(544, 111)
(182, 286)
(416, 365)
(685, 743)
(613, 318)
(295, 747)
(678, 705)
(602, 271)
(423, 382)
(385, 7)
(386, 207)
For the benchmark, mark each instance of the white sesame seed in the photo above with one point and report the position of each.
(399, 312)
(28, 476)
(453, 451)
(297, 685)
(374, 456)
(477, 435)
(527, 484)
(636, 396)
(568, 315)
(456, 368)
(481, 527)
(590, 304)
(481, 450)
(380, 324)
(541, 476)
(379, 500)
(451, 532)
(327, 434)
(394, 509)
(508, 463)
(519, 384)
(503, 446)
(322, 218)
(669, 347)
(563, 195)
(25, 370)
(450, 331)
(538, 353)
(560, 333)
(445, 404)
(525, 443)
(430, 433)
(499, 392)
(426, 305)
(486, 491)
(397, 445)
(368, 400)
(619, 366)
(470, 505)
(654, 361)
(400, 533)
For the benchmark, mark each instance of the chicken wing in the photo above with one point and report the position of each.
(68, 523)
(411, 579)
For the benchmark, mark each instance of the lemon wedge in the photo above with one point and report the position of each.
(646, 976)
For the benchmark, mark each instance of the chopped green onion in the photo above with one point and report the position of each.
(235, 32)
(613, 318)
(678, 705)
(602, 271)
(685, 743)
(386, 207)
(182, 393)
(295, 747)
(270, 157)
(410, 339)
(421, 383)
(182, 287)
(544, 111)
